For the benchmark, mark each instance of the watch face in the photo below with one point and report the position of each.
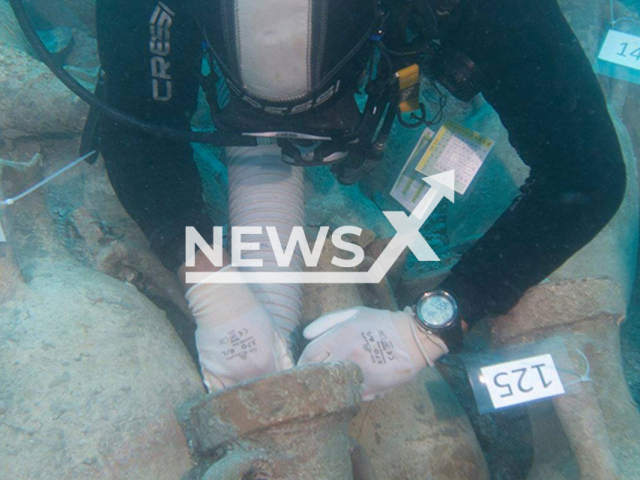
(436, 310)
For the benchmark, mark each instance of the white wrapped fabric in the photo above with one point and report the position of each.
(265, 192)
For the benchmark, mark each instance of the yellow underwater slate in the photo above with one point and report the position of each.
(457, 148)
(409, 188)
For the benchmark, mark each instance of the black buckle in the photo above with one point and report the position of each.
(312, 153)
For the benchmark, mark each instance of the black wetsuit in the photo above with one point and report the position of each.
(538, 80)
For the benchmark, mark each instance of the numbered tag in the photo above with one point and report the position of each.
(621, 48)
(521, 381)
(619, 57)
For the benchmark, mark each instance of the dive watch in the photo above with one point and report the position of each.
(436, 312)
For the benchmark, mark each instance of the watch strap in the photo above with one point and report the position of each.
(453, 337)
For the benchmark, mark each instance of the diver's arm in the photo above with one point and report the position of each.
(542, 86)
(149, 52)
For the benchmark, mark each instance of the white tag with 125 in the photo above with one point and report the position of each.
(522, 381)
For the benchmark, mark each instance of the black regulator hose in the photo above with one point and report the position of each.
(220, 139)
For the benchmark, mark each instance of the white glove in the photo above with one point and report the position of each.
(388, 346)
(236, 338)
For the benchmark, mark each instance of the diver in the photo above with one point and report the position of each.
(291, 69)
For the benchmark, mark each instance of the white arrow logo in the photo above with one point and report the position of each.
(408, 235)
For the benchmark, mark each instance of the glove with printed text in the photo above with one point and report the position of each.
(236, 338)
(388, 346)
